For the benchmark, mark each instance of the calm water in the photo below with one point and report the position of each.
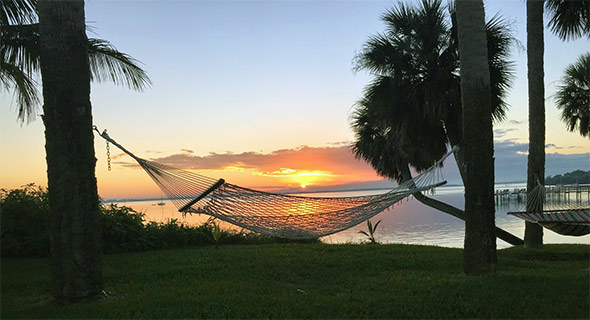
(409, 221)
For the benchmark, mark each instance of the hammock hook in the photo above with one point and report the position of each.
(103, 134)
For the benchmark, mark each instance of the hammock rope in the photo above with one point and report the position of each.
(559, 214)
(279, 215)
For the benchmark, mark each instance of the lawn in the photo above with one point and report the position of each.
(314, 281)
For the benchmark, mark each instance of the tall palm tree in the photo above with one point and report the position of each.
(412, 108)
(19, 58)
(76, 257)
(570, 19)
(415, 92)
(58, 48)
(533, 233)
(479, 254)
(573, 96)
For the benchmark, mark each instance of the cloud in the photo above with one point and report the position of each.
(118, 155)
(500, 133)
(187, 150)
(511, 161)
(336, 165)
(301, 161)
(340, 143)
(515, 122)
(552, 145)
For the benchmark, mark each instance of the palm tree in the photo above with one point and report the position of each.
(69, 143)
(533, 233)
(570, 19)
(479, 254)
(573, 96)
(412, 108)
(57, 47)
(19, 54)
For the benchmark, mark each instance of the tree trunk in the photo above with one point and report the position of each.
(479, 254)
(533, 233)
(75, 231)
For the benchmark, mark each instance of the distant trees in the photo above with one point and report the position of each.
(574, 177)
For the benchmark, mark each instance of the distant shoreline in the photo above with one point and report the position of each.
(294, 192)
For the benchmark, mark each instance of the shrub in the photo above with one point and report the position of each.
(122, 229)
(25, 214)
(24, 222)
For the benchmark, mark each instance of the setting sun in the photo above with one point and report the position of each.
(302, 178)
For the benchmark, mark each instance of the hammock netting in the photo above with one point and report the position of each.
(279, 215)
(557, 211)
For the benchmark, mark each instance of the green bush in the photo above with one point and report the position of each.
(25, 212)
(122, 229)
(24, 222)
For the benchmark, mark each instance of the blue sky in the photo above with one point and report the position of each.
(254, 76)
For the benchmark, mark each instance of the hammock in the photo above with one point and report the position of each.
(558, 214)
(278, 215)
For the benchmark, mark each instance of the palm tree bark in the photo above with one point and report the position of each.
(533, 234)
(75, 231)
(456, 212)
(479, 254)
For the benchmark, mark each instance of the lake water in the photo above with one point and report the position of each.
(408, 222)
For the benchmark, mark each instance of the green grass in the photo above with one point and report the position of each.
(314, 281)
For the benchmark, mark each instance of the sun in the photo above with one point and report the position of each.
(303, 186)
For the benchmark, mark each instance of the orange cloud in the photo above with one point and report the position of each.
(286, 168)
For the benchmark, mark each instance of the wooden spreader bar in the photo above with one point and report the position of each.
(202, 195)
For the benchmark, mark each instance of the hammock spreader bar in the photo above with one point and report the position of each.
(187, 206)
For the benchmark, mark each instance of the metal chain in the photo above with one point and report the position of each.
(108, 156)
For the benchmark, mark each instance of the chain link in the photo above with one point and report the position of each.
(108, 156)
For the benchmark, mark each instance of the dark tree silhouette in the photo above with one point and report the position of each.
(479, 253)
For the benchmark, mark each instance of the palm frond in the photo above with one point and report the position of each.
(18, 12)
(27, 96)
(108, 64)
(502, 70)
(377, 56)
(570, 20)
(19, 46)
(573, 96)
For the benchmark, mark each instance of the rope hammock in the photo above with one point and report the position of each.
(559, 214)
(278, 215)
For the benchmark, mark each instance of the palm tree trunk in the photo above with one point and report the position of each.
(479, 254)
(533, 233)
(75, 231)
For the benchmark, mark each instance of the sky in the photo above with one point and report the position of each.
(260, 93)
